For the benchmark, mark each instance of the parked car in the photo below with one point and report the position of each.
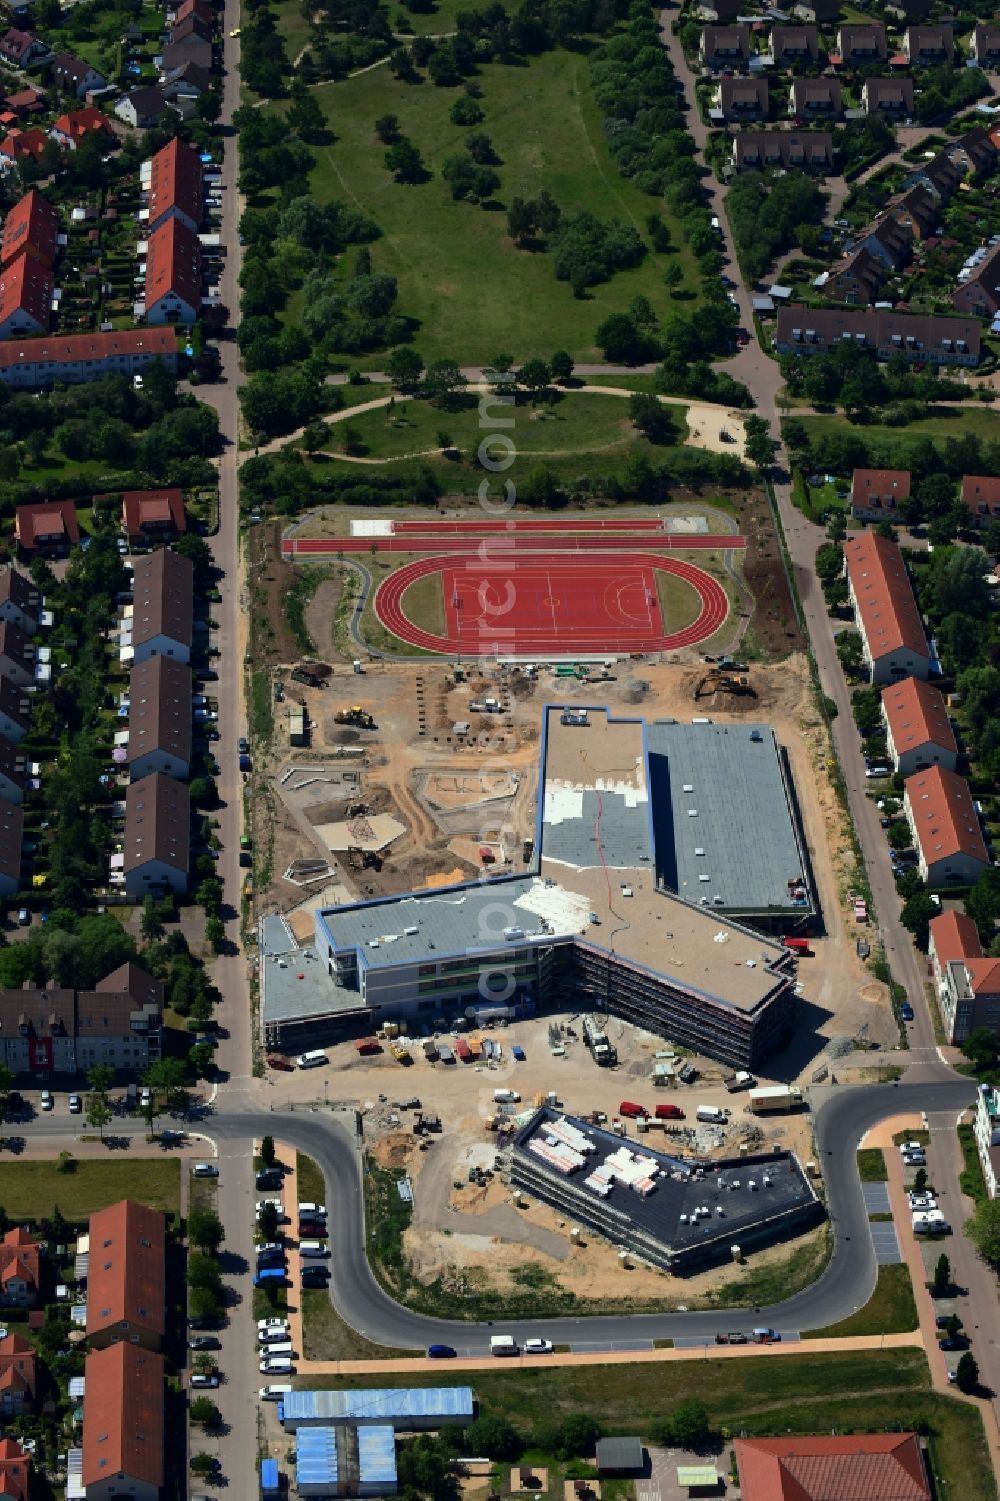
(205, 1170)
(279, 1365)
(75, 1104)
(954, 1342)
(204, 1378)
(309, 1211)
(669, 1113)
(736, 1338)
(906, 1011)
(45, 1099)
(440, 1352)
(914, 1159)
(243, 745)
(315, 1276)
(268, 1177)
(537, 1347)
(204, 1342)
(911, 1146)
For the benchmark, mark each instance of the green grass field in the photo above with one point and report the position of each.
(949, 422)
(423, 603)
(890, 1310)
(679, 603)
(864, 1392)
(475, 295)
(31, 1190)
(871, 1165)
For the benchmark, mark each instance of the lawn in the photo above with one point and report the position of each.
(871, 1165)
(890, 1310)
(31, 1190)
(868, 1392)
(473, 293)
(423, 603)
(325, 1336)
(679, 603)
(948, 422)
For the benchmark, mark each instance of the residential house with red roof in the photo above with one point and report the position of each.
(20, 1269)
(27, 101)
(845, 1466)
(26, 288)
(962, 980)
(123, 1424)
(153, 516)
(70, 129)
(945, 826)
(192, 25)
(173, 274)
(875, 493)
(24, 145)
(981, 496)
(174, 189)
(49, 527)
(125, 1276)
(31, 228)
(15, 1470)
(892, 633)
(76, 358)
(18, 1378)
(918, 730)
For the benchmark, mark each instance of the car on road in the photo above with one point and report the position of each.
(204, 1342)
(735, 1338)
(45, 1099)
(205, 1170)
(204, 1378)
(766, 1336)
(537, 1347)
(75, 1104)
(906, 1011)
(440, 1352)
(235, 32)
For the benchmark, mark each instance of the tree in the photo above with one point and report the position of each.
(405, 163)
(204, 1412)
(650, 417)
(166, 1076)
(941, 1282)
(98, 1112)
(404, 368)
(621, 341)
(689, 1424)
(315, 436)
(268, 1221)
(268, 1156)
(984, 1230)
(916, 915)
(150, 923)
(468, 181)
(760, 446)
(850, 651)
(493, 1435)
(561, 366)
(215, 933)
(203, 1303)
(982, 1048)
(465, 111)
(481, 149)
(444, 383)
(967, 1373)
(306, 117)
(920, 1180)
(387, 129)
(673, 277)
(534, 376)
(899, 834)
(579, 1434)
(202, 1464)
(203, 1274)
(205, 1230)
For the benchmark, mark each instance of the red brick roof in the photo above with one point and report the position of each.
(944, 818)
(27, 99)
(20, 144)
(954, 936)
(884, 596)
(80, 122)
(17, 1368)
(175, 182)
(849, 1467)
(123, 1414)
(981, 493)
(32, 225)
(173, 264)
(26, 286)
(125, 1274)
(142, 508)
(917, 715)
(15, 1470)
(49, 521)
(876, 484)
(984, 976)
(69, 349)
(19, 1257)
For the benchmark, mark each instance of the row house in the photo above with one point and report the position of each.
(979, 294)
(816, 98)
(928, 46)
(914, 337)
(875, 493)
(26, 288)
(13, 771)
(17, 656)
(11, 847)
(859, 46)
(72, 359)
(15, 711)
(984, 46)
(126, 1276)
(856, 279)
(157, 839)
(58, 1031)
(741, 99)
(893, 639)
(945, 826)
(981, 497)
(159, 721)
(162, 620)
(917, 728)
(173, 274)
(725, 46)
(31, 228)
(891, 98)
(123, 1429)
(173, 183)
(20, 600)
(806, 151)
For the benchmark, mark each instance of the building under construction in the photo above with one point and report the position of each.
(662, 853)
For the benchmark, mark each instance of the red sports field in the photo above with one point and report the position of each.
(562, 604)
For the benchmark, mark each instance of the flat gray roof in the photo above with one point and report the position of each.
(295, 983)
(724, 827)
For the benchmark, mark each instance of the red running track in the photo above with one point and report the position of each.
(557, 606)
(502, 548)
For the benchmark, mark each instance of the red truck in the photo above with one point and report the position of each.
(797, 945)
(462, 1050)
(669, 1113)
(632, 1111)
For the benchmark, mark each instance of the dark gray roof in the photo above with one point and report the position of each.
(620, 1454)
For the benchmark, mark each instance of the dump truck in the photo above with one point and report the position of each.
(603, 1053)
(357, 716)
(775, 1097)
(401, 1053)
(368, 1045)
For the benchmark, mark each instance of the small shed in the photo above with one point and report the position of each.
(698, 1480)
(620, 1456)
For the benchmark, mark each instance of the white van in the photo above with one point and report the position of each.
(281, 1349)
(315, 1059)
(280, 1367)
(713, 1114)
(506, 1096)
(274, 1393)
(313, 1248)
(503, 1344)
